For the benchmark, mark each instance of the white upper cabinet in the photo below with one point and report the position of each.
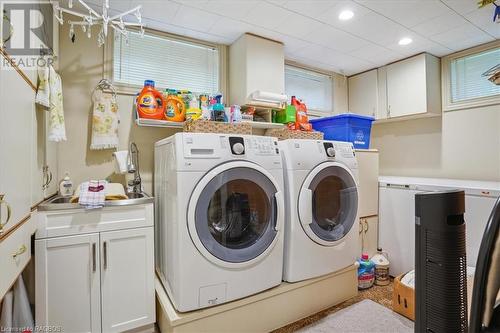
(255, 63)
(414, 87)
(409, 88)
(363, 93)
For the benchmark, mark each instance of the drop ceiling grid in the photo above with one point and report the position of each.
(313, 35)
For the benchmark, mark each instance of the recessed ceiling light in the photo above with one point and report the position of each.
(405, 41)
(346, 15)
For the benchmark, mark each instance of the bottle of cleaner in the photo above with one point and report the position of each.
(150, 102)
(66, 186)
(366, 272)
(381, 268)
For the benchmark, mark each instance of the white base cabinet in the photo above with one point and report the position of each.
(68, 283)
(96, 282)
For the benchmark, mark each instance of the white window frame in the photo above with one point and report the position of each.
(132, 89)
(312, 112)
(448, 104)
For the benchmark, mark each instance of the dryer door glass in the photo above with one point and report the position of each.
(335, 203)
(236, 215)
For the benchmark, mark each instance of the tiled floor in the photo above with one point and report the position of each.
(379, 294)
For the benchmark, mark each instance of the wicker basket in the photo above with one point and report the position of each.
(207, 126)
(285, 133)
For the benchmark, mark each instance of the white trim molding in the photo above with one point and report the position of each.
(448, 104)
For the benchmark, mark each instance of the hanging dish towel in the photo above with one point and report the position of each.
(93, 194)
(57, 128)
(43, 92)
(105, 121)
(49, 94)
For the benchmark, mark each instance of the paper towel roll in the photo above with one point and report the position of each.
(269, 97)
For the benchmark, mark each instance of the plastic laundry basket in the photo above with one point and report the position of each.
(346, 127)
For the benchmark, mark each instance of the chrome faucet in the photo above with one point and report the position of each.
(133, 167)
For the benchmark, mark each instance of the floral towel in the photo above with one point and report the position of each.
(49, 94)
(105, 120)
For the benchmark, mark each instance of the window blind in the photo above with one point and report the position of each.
(466, 77)
(313, 88)
(169, 62)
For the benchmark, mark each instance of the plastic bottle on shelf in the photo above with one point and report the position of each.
(150, 102)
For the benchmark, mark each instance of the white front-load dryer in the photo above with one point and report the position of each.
(219, 217)
(321, 186)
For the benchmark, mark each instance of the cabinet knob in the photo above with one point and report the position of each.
(9, 212)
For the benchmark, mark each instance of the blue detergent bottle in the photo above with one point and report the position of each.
(366, 272)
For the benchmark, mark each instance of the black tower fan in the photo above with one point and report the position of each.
(440, 265)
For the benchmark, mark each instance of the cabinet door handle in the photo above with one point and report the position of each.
(94, 259)
(366, 226)
(9, 213)
(20, 251)
(105, 249)
(50, 178)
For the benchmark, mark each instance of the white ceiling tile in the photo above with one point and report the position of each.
(376, 54)
(293, 44)
(373, 27)
(483, 18)
(462, 37)
(408, 12)
(157, 10)
(331, 16)
(195, 19)
(440, 24)
(235, 9)
(298, 26)
(336, 39)
(267, 15)
(190, 3)
(438, 50)
(461, 6)
(229, 28)
(277, 2)
(311, 8)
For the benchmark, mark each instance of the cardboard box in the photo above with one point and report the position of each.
(403, 299)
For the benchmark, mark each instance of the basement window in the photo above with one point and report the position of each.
(465, 85)
(170, 62)
(313, 88)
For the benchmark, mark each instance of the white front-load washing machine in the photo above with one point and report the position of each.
(321, 186)
(219, 217)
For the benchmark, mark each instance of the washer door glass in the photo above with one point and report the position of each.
(235, 215)
(334, 203)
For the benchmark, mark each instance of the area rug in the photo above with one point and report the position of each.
(362, 317)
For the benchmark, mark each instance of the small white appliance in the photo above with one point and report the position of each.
(219, 217)
(321, 182)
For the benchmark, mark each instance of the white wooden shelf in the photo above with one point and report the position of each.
(174, 124)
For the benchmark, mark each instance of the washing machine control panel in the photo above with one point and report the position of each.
(264, 145)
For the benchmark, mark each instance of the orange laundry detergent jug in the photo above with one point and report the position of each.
(175, 108)
(301, 119)
(150, 102)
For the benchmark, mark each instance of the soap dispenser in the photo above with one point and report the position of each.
(66, 186)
